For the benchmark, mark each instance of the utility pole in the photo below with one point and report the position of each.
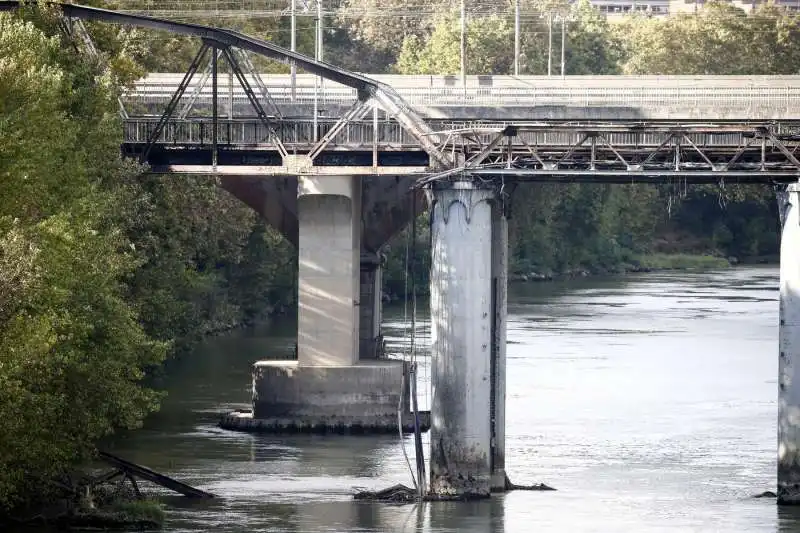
(318, 57)
(293, 47)
(319, 31)
(463, 43)
(563, 42)
(550, 43)
(516, 37)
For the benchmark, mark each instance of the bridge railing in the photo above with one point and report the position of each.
(253, 132)
(299, 133)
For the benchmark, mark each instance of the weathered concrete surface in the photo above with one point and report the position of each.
(275, 199)
(498, 363)
(365, 395)
(461, 335)
(386, 208)
(245, 421)
(329, 255)
(789, 346)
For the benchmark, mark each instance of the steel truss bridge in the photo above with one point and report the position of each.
(380, 133)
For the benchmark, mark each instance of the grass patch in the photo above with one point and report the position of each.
(681, 262)
(138, 511)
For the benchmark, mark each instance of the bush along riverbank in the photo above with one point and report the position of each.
(88, 504)
(644, 263)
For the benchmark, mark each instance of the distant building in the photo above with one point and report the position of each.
(615, 8)
(692, 6)
(656, 8)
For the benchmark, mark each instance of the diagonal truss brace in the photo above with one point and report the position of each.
(254, 101)
(198, 89)
(75, 28)
(248, 69)
(173, 103)
(358, 111)
(394, 105)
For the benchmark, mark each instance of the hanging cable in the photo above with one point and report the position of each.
(400, 406)
(414, 401)
(400, 429)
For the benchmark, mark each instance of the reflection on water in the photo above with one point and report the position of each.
(648, 401)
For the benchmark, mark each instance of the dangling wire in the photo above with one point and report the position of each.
(417, 435)
(400, 406)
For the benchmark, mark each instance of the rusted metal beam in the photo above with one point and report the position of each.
(132, 469)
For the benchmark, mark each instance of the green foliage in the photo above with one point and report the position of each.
(72, 353)
(681, 262)
(440, 54)
(139, 510)
(720, 39)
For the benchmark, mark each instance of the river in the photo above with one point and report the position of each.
(648, 401)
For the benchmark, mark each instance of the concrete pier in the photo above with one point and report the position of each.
(335, 383)
(462, 318)
(789, 347)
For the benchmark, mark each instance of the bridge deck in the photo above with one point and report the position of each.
(540, 151)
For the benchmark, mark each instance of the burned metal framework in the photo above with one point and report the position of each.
(222, 42)
(623, 153)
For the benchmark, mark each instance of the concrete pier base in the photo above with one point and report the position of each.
(789, 347)
(362, 398)
(462, 317)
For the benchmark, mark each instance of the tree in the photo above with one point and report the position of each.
(719, 40)
(441, 53)
(72, 353)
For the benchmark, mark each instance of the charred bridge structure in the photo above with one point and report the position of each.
(339, 178)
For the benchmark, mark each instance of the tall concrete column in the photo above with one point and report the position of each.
(462, 316)
(370, 306)
(789, 346)
(329, 279)
(498, 361)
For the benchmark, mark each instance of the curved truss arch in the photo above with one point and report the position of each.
(368, 89)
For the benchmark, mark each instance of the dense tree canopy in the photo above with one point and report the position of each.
(101, 270)
(72, 352)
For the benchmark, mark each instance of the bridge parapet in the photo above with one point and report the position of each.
(645, 97)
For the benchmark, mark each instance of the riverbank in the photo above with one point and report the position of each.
(103, 510)
(642, 263)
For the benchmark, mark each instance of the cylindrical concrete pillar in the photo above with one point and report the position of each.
(329, 257)
(461, 334)
(498, 361)
(789, 346)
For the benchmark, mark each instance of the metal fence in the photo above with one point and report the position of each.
(299, 133)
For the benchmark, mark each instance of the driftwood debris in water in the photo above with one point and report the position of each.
(395, 494)
(402, 494)
(512, 486)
